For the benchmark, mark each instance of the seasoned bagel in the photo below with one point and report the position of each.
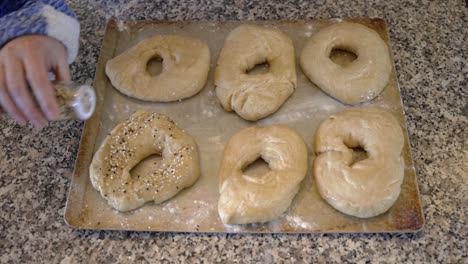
(364, 78)
(142, 135)
(255, 96)
(185, 67)
(246, 199)
(368, 187)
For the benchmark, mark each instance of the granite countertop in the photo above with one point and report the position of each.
(430, 44)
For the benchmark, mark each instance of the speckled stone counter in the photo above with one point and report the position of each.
(430, 44)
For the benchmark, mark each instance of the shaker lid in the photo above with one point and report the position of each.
(85, 102)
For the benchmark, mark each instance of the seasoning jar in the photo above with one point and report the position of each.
(76, 101)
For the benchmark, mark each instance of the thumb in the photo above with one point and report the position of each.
(62, 72)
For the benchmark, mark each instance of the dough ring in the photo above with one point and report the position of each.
(255, 96)
(142, 135)
(186, 63)
(364, 78)
(368, 187)
(247, 199)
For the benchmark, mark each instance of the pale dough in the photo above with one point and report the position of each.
(142, 135)
(364, 78)
(255, 96)
(186, 64)
(370, 186)
(248, 199)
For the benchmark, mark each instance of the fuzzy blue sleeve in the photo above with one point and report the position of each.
(44, 17)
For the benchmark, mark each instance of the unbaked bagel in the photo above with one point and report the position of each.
(255, 96)
(247, 199)
(186, 63)
(368, 187)
(361, 80)
(142, 135)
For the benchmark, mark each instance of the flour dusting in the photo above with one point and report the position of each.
(297, 222)
(121, 26)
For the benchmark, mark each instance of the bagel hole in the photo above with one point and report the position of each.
(342, 57)
(256, 168)
(259, 68)
(154, 66)
(141, 169)
(359, 154)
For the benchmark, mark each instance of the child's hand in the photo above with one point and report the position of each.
(26, 92)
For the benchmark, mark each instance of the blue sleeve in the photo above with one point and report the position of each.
(8, 6)
(44, 17)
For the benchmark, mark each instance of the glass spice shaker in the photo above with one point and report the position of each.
(76, 101)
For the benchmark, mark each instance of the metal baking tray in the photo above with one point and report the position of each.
(195, 209)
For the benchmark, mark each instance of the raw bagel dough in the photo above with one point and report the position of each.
(186, 63)
(246, 199)
(371, 186)
(142, 135)
(364, 78)
(255, 96)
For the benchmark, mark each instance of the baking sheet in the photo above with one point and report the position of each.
(195, 209)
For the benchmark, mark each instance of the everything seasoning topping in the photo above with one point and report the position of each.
(65, 96)
(160, 175)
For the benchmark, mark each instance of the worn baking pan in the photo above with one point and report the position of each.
(195, 209)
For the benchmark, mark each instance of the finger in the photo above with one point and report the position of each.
(38, 78)
(62, 72)
(7, 103)
(18, 90)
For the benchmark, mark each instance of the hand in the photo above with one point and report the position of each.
(26, 92)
